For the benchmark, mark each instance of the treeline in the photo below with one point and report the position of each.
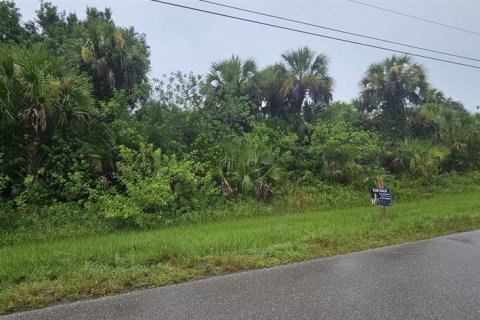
(83, 129)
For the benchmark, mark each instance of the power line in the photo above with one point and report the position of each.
(338, 30)
(415, 17)
(315, 34)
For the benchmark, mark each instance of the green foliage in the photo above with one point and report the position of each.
(279, 141)
(39, 88)
(343, 153)
(340, 112)
(57, 31)
(422, 158)
(450, 125)
(229, 111)
(42, 95)
(11, 30)
(157, 188)
(179, 90)
(249, 169)
(67, 171)
(116, 58)
(81, 129)
(388, 88)
(104, 264)
(4, 179)
(411, 190)
(305, 78)
(172, 129)
(234, 76)
(270, 81)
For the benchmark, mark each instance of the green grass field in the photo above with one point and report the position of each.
(34, 275)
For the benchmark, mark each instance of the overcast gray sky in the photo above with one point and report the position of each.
(191, 41)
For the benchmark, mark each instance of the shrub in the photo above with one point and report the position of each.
(249, 170)
(421, 158)
(342, 153)
(158, 188)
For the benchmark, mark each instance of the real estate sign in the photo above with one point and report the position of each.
(381, 196)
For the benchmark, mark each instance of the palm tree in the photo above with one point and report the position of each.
(41, 93)
(305, 77)
(116, 58)
(43, 89)
(389, 87)
(270, 80)
(421, 158)
(234, 74)
(248, 170)
(432, 95)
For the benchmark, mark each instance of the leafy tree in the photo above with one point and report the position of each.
(173, 118)
(170, 128)
(388, 88)
(114, 126)
(342, 153)
(180, 90)
(65, 170)
(340, 112)
(11, 30)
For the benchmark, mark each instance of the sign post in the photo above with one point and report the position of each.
(383, 209)
(381, 196)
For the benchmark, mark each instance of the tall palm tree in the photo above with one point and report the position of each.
(116, 58)
(389, 87)
(234, 74)
(305, 77)
(270, 80)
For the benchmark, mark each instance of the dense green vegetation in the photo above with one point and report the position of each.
(89, 146)
(85, 136)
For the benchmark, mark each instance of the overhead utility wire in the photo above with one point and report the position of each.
(338, 30)
(415, 17)
(315, 34)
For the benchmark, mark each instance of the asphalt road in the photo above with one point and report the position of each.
(431, 279)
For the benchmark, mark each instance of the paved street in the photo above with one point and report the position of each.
(432, 279)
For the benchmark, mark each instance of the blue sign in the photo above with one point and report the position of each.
(381, 196)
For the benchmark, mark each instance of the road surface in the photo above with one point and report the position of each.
(431, 279)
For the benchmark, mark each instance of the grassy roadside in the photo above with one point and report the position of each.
(34, 275)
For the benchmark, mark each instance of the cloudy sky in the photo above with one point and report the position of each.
(190, 41)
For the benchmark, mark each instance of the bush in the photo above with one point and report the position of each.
(342, 153)
(158, 188)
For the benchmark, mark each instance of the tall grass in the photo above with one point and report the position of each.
(35, 274)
